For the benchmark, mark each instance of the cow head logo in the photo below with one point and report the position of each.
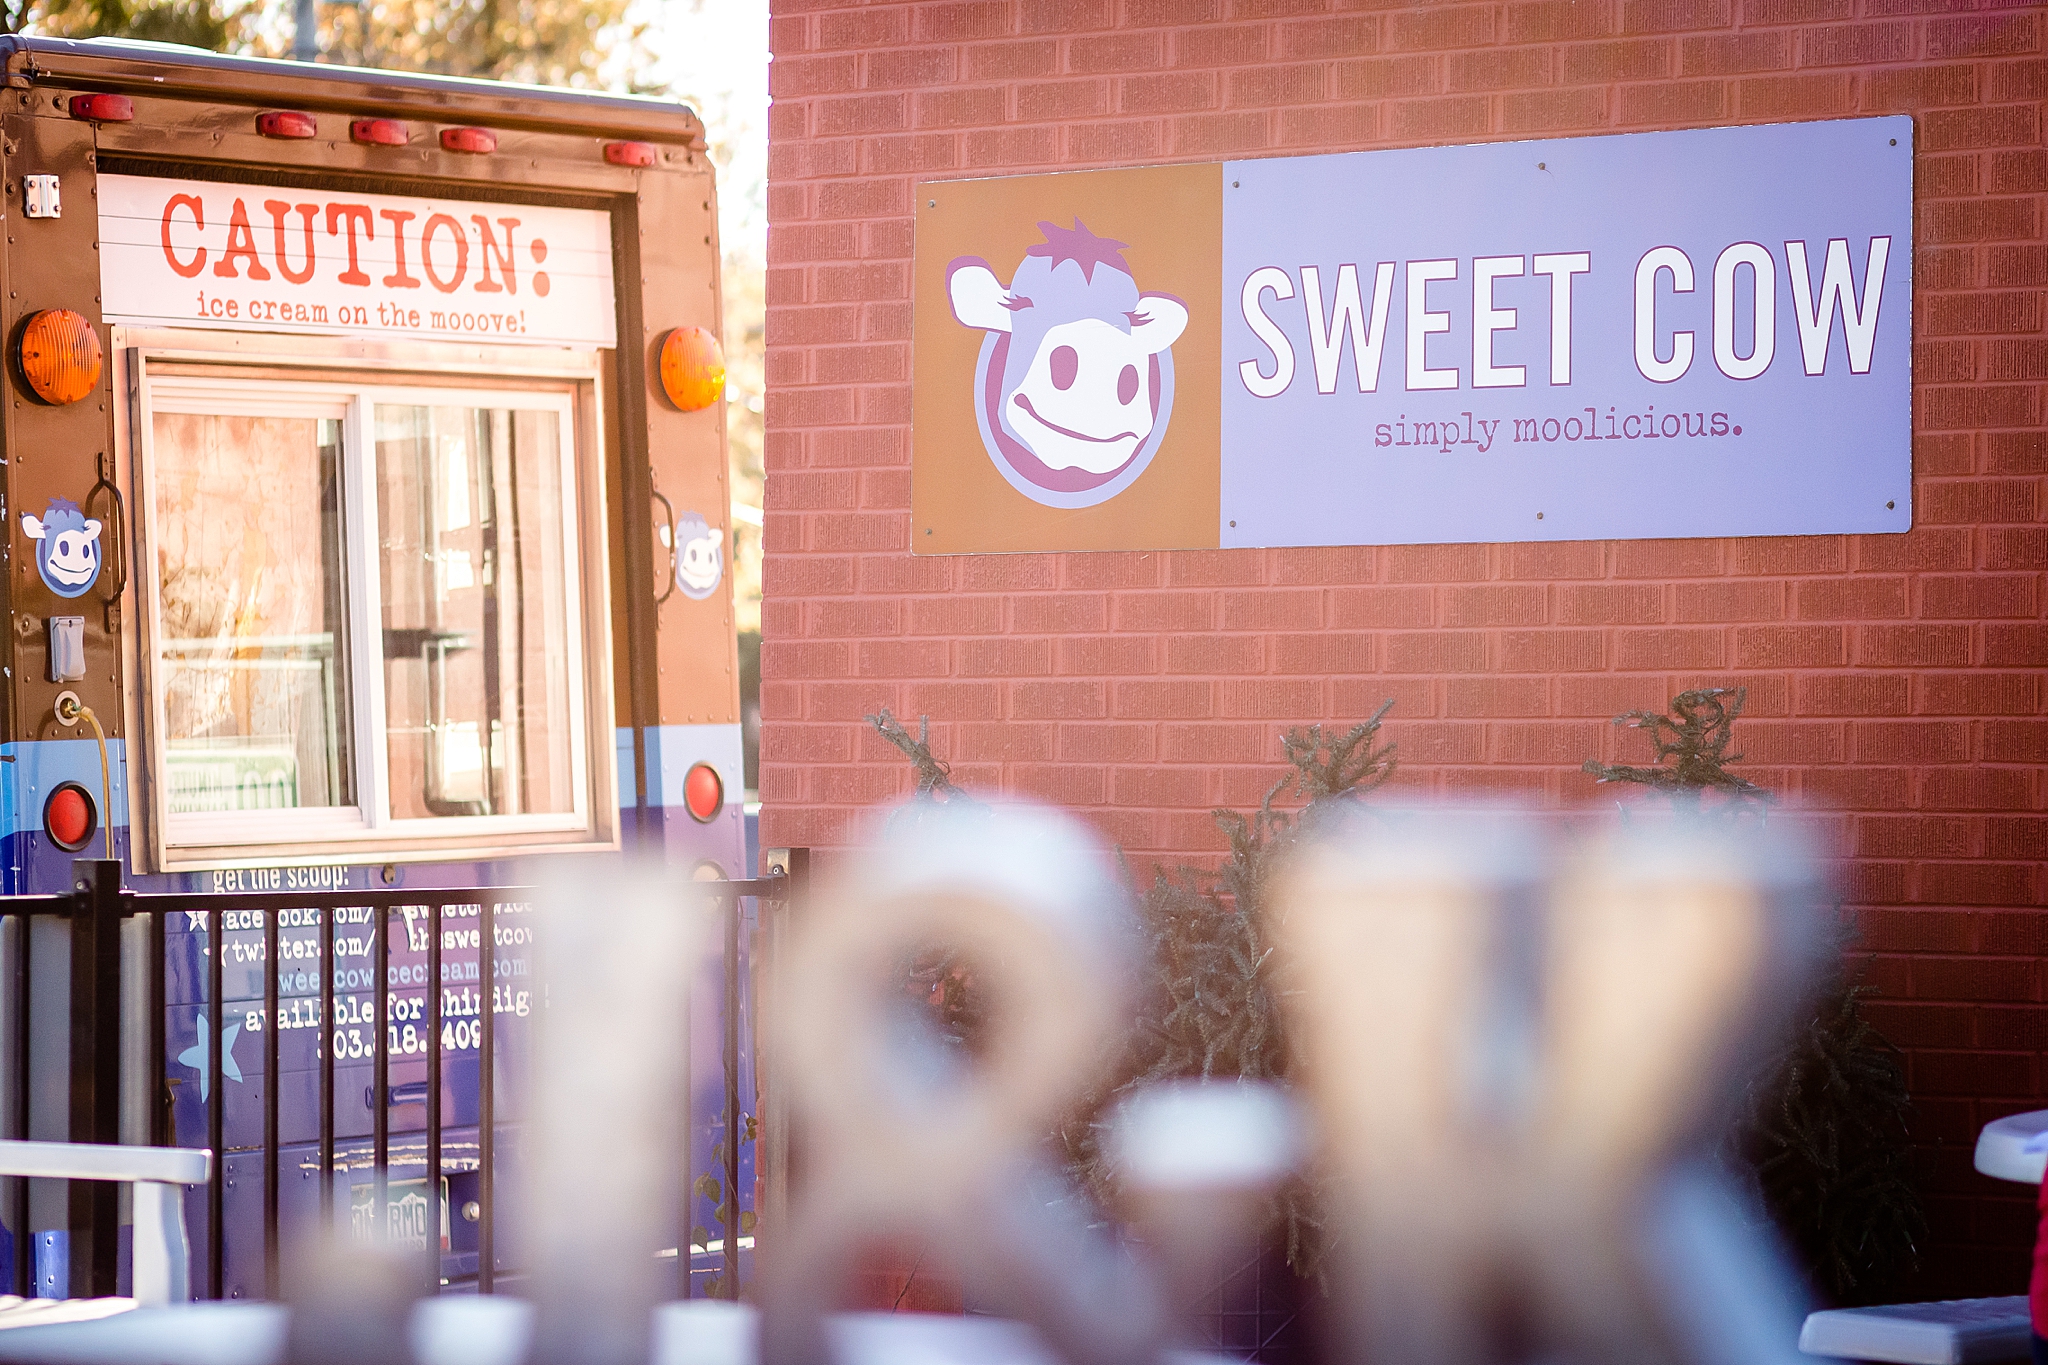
(700, 556)
(67, 547)
(1074, 386)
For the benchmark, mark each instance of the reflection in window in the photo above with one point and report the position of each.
(250, 645)
(479, 716)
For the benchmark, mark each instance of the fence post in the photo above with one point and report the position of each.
(16, 1082)
(95, 1065)
(773, 1147)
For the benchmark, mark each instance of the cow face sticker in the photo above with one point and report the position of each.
(700, 556)
(1074, 386)
(67, 547)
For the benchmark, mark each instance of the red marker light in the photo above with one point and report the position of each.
(69, 818)
(703, 793)
(474, 141)
(630, 153)
(103, 108)
(379, 132)
(289, 123)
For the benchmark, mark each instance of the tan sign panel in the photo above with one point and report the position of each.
(1131, 453)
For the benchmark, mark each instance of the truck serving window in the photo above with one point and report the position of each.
(364, 618)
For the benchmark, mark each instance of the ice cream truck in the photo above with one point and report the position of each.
(364, 475)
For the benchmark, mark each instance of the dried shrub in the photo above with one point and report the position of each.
(1210, 1005)
(1694, 738)
(1822, 1127)
(1211, 1008)
(939, 978)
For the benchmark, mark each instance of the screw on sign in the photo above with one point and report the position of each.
(60, 356)
(692, 368)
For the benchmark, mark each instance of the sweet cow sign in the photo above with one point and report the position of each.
(1696, 333)
(259, 258)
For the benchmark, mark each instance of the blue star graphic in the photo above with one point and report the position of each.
(195, 1055)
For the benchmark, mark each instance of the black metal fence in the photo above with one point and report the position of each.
(96, 909)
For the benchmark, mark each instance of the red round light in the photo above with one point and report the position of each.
(703, 793)
(68, 817)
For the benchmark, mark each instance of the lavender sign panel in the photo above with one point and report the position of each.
(1702, 333)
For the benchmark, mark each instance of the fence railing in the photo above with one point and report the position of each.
(474, 966)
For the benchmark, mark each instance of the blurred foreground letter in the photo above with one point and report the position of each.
(1518, 1068)
(616, 944)
(909, 1134)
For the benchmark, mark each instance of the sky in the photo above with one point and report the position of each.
(713, 55)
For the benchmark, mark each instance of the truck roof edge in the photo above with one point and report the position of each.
(164, 69)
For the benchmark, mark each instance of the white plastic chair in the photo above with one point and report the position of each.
(162, 1255)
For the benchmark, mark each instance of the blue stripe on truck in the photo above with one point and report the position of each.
(30, 768)
(672, 750)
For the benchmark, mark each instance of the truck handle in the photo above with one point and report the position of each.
(670, 547)
(116, 542)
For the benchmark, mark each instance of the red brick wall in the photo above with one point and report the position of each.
(1895, 683)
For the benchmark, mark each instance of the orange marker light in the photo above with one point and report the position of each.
(692, 368)
(60, 356)
(703, 793)
(379, 132)
(475, 141)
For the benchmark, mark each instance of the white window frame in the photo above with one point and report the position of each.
(350, 380)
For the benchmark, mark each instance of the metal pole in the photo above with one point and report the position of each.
(380, 1097)
(160, 1134)
(434, 1205)
(95, 1063)
(774, 1151)
(486, 1095)
(271, 1079)
(216, 1188)
(306, 38)
(24, 1240)
(327, 1032)
(733, 1126)
(685, 1268)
